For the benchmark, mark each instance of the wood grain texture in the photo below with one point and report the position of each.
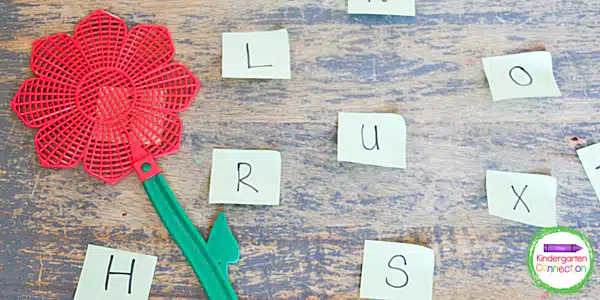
(310, 247)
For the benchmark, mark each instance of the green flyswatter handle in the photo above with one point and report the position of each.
(212, 273)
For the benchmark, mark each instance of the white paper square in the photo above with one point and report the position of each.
(268, 51)
(93, 285)
(397, 271)
(590, 159)
(382, 7)
(531, 71)
(257, 181)
(538, 192)
(388, 147)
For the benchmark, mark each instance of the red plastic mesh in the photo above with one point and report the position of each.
(102, 90)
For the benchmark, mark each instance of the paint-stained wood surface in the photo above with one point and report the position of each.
(310, 247)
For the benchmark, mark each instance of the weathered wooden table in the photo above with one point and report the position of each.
(426, 68)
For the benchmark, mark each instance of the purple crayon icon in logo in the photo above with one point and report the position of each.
(561, 248)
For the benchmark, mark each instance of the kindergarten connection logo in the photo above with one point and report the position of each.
(560, 259)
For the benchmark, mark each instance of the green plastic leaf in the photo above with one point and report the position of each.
(222, 244)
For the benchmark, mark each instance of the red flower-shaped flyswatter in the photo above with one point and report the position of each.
(109, 97)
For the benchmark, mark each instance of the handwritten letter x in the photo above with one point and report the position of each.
(520, 199)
